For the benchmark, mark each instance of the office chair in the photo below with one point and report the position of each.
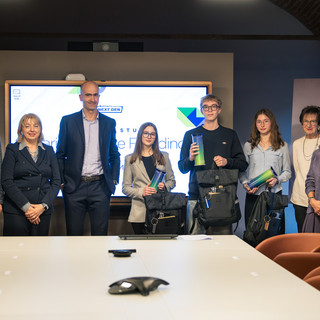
(316, 249)
(314, 281)
(313, 273)
(298, 263)
(292, 242)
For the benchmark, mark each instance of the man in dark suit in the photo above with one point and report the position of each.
(89, 164)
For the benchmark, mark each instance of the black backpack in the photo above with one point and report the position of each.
(266, 218)
(166, 212)
(218, 204)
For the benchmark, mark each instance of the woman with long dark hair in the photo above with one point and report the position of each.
(139, 169)
(263, 150)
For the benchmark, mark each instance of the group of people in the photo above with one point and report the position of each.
(87, 163)
(86, 167)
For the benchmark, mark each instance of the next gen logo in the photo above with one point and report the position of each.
(190, 117)
(110, 109)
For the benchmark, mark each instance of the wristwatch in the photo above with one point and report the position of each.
(45, 206)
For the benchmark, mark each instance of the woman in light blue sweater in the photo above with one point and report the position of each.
(264, 149)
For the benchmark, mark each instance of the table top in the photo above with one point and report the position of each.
(221, 278)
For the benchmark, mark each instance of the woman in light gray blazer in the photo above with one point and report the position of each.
(139, 169)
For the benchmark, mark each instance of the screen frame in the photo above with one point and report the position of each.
(9, 83)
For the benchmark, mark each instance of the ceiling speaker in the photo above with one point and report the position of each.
(75, 76)
(103, 46)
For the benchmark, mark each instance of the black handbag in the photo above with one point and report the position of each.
(165, 213)
(266, 218)
(218, 204)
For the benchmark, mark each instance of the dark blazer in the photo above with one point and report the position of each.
(71, 147)
(312, 220)
(24, 180)
(1, 192)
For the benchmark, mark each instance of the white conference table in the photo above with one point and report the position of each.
(222, 278)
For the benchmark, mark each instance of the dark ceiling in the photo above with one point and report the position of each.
(41, 24)
(306, 11)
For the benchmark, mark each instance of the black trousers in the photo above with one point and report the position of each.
(92, 197)
(300, 213)
(19, 225)
(139, 227)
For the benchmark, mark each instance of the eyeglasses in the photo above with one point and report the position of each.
(214, 107)
(313, 123)
(146, 134)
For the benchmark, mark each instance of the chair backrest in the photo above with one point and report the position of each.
(312, 273)
(298, 263)
(316, 249)
(314, 281)
(292, 242)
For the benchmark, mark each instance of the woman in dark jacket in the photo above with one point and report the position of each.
(1, 192)
(30, 179)
(312, 220)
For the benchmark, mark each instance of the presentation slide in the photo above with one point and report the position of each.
(173, 109)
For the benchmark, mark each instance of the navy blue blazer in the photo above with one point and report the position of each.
(24, 180)
(71, 148)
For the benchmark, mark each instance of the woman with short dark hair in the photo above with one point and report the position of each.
(302, 151)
